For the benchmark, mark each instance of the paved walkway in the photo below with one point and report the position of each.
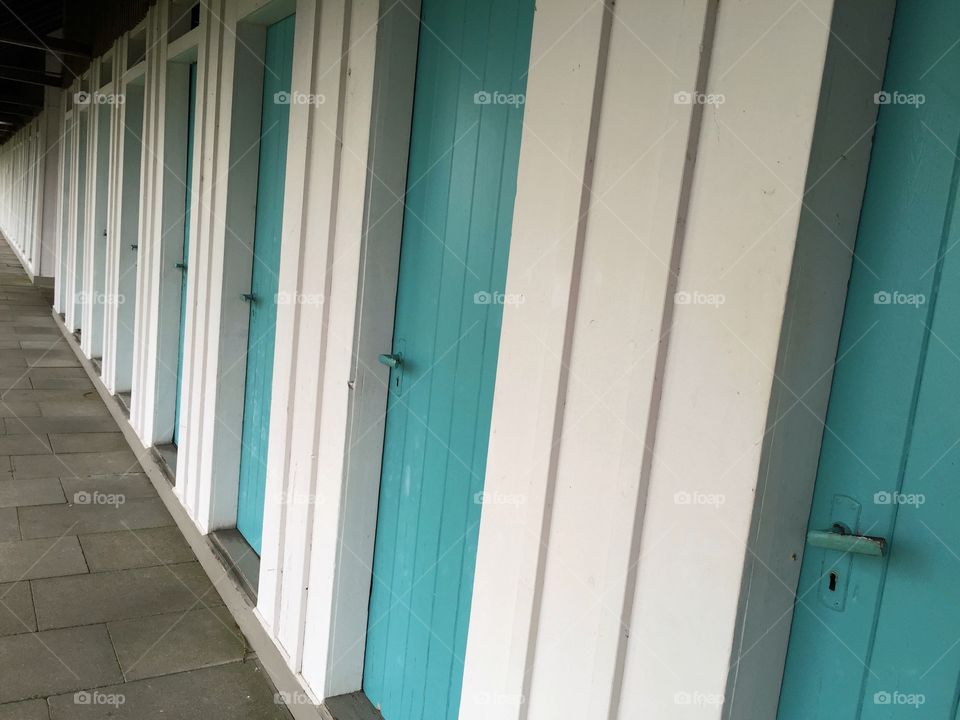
(104, 609)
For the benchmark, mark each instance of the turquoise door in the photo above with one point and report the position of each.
(464, 152)
(879, 636)
(188, 181)
(278, 64)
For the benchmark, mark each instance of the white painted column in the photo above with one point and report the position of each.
(654, 249)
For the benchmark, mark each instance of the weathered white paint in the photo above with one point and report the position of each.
(611, 397)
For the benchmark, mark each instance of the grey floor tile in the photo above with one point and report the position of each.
(72, 408)
(129, 487)
(9, 525)
(57, 661)
(40, 425)
(116, 462)
(87, 442)
(121, 595)
(176, 642)
(35, 491)
(75, 393)
(25, 444)
(48, 557)
(26, 710)
(16, 609)
(76, 519)
(238, 691)
(10, 380)
(135, 548)
(19, 409)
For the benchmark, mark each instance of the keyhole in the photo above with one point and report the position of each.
(833, 582)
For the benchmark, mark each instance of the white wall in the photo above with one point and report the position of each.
(665, 254)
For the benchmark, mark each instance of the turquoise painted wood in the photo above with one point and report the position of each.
(278, 67)
(464, 153)
(188, 182)
(876, 636)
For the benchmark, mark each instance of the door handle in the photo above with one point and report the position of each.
(180, 266)
(248, 297)
(134, 247)
(394, 360)
(841, 539)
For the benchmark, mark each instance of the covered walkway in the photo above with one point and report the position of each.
(104, 609)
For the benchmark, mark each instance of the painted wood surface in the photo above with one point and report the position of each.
(878, 637)
(187, 181)
(278, 65)
(461, 186)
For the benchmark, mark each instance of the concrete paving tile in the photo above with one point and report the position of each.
(97, 516)
(35, 491)
(238, 691)
(128, 549)
(53, 395)
(57, 661)
(176, 642)
(72, 408)
(25, 444)
(121, 595)
(86, 442)
(26, 710)
(41, 425)
(117, 462)
(16, 609)
(14, 380)
(47, 557)
(18, 410)
(127, 487)
(9, 525)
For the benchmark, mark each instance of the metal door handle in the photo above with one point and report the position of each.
(394, 360)
(841, 539)
(248, 297)
(134, 247)
(180, 266)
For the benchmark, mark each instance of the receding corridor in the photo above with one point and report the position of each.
(104, 609)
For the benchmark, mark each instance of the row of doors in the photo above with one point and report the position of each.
(875, 632)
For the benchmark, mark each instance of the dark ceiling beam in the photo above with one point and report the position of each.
(58, 46)
(30, 77)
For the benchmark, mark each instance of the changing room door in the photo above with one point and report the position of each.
(878, 636)
(278, 64)
(187, 181)
(464, 153)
